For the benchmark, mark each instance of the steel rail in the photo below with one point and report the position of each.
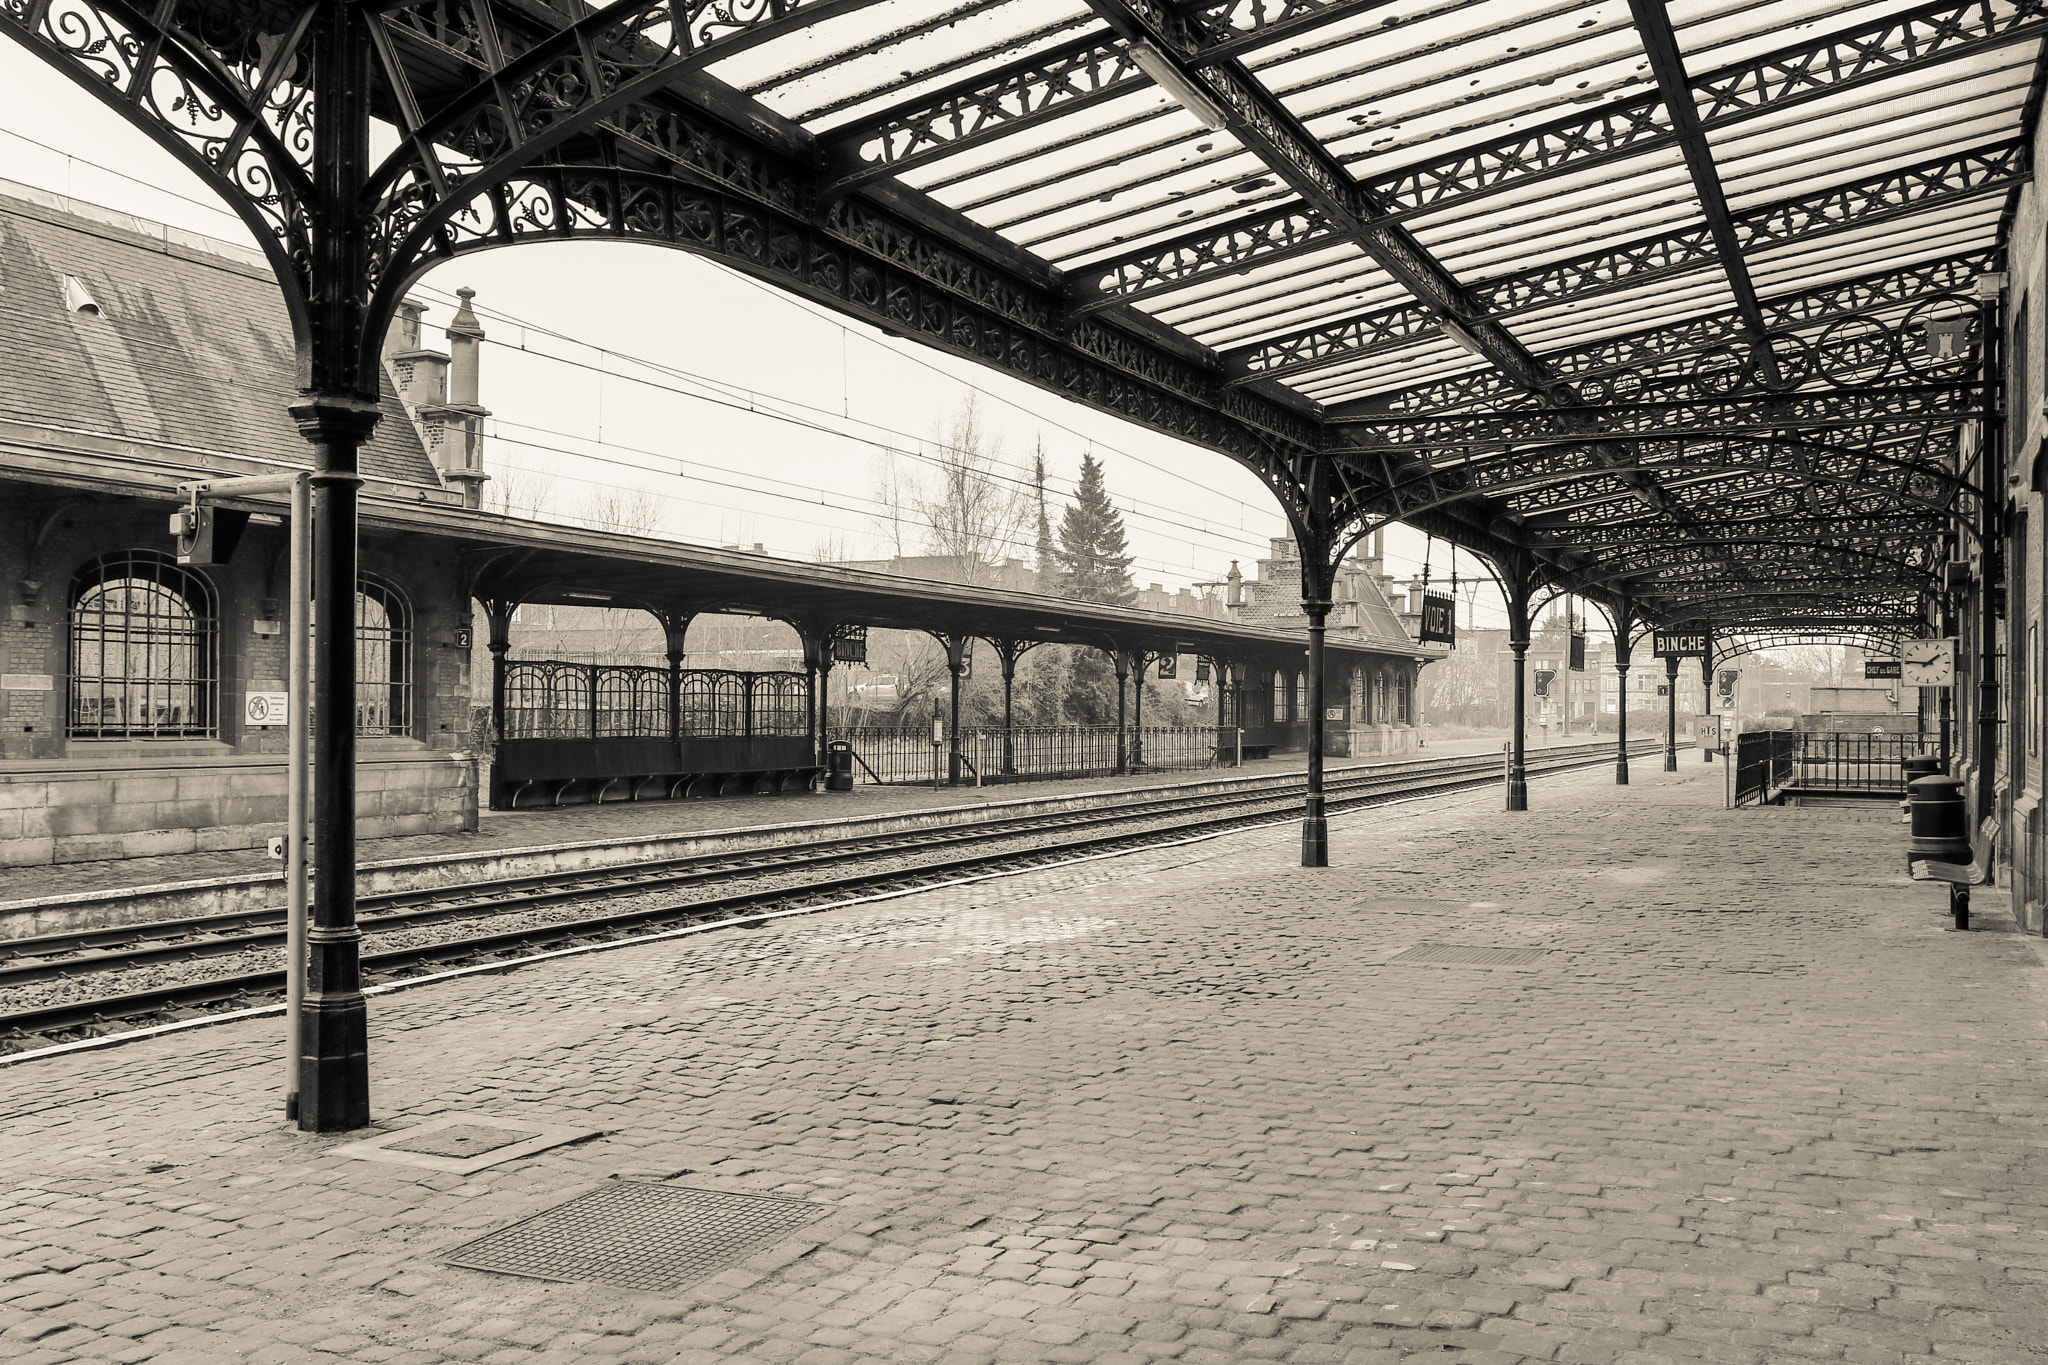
(197, 936)
(103, 1013)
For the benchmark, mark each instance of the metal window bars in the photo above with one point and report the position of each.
(383, 659)
(905, 753)
(145, 650)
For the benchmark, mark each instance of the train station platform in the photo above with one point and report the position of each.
(55, 886)
(1630, 1078)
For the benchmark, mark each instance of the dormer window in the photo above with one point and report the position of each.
(79, 299)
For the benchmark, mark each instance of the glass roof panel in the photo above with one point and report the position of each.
(1458, 75)
(878, 46)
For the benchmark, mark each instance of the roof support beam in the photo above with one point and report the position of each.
(1272, 133)
(1977, 173)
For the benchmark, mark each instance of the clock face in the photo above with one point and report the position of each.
(1927, 663)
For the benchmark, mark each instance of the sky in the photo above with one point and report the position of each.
(745, 415)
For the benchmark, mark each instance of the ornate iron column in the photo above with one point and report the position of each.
(1671, 713)
(675, 625)
(1316, 536)
(1123, 675)
(1141, 660)
(1706, 692)
(1517, 587)
(1008, 652)
(1991, 466)
(956, 664)
(1624, 627)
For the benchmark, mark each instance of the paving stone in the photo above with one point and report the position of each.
(1754, 1106)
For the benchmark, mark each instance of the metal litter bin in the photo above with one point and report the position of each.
(838, 766)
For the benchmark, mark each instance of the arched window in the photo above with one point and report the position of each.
(1279, 696)
(383, 659)
(1401, 697)
(145, 650)
(1301, 696)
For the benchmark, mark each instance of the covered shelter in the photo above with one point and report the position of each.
(1692, 310)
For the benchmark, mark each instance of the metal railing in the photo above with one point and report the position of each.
(898, 754)
(1764, 763)
(1861, 763)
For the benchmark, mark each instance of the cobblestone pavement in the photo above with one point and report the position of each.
(1749, 1103)
(623, 819)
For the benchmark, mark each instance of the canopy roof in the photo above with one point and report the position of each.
(1668, 300)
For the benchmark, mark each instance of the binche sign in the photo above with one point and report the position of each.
(1680, 644)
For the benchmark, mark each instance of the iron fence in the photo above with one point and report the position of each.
(899, 754)
(1865, 763)
(1764, 764)
(557, 699)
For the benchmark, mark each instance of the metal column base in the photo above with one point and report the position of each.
(1518, 791)
(1621, 772)
(1315, 842)
(1670, 760)
(334, 1070)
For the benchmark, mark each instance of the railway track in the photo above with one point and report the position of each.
(615, 904)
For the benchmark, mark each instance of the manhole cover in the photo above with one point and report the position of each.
(463, 1140)
(632, 1235)
(1457, 954)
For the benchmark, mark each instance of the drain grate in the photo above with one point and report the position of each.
(633, 1235)
(462, 1140)
(1457, 954)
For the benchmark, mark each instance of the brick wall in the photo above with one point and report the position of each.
(64, 799)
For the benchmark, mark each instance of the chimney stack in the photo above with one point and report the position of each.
(1233, 587)
(457, 423)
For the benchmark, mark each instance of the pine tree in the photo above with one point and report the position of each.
(1047, 555)
(1093, 564)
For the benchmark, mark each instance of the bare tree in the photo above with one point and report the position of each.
(977, 508)
(629, 511)
(831, 548)
(516, 492)
(896, 492)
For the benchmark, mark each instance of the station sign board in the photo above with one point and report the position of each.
(1680, 644)
(1169, 667)
(1882, 668)
(1439, 619)
(1578, 651)
(1928, 663)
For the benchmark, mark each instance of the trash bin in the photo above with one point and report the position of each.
(1941, 823)
(838, 766)
(1918, 766)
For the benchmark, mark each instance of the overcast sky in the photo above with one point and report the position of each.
(751, 415)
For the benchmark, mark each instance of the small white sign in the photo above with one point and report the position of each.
(1927, 663)
(267, 708)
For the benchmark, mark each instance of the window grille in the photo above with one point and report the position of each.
(1300, 696)
(714, 703)
(779, 703)
(1400, 699)
(545, 700)
(632, 702)
(1279, 696)
(383, 659)
(145, 650)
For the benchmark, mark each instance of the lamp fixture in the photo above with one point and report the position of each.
(1168, 77)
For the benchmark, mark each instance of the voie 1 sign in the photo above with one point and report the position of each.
(1680, 644)
(1439, 620)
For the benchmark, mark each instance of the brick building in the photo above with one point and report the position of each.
(136, 357)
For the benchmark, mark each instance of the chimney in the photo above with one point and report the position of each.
(1233, 587)
(453, 425)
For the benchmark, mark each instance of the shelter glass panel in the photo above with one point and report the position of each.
(780, 703)
(714, 703)
(632, 702)
(547, 700)
(145, 650)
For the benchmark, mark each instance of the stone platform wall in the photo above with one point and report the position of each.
(56, 812)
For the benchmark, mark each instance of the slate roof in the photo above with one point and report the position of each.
(192, 346)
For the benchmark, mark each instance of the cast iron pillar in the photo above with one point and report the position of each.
(956, 664)
(675, 625)
(1991, 476)
(334, 1058)
(1707, 695)
(1624, 627)
(1140, 661)
(1671, 713)
(1315, 535)
(1008, 652)
(1122, 663)
(1517, 588)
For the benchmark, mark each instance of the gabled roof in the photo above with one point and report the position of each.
(190, 348)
